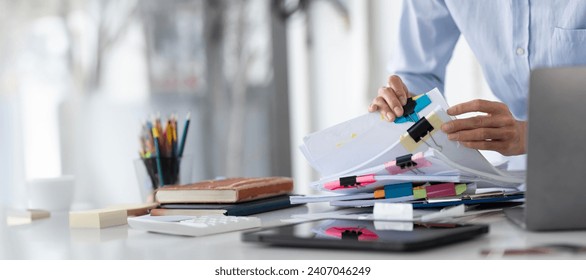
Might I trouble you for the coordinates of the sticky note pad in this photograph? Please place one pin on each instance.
(32, 214)
(135, 209)
(100, 218)
(21, 217)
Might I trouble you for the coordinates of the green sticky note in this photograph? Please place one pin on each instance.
(460, 189)
(419, 193)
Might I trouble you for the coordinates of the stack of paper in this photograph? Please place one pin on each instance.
(410, 159)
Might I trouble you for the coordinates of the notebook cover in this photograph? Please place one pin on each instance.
(236, 209)
(245, 189)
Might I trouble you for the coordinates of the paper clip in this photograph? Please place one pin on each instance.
(350, 182)
(409, 109)
(407, 161)
(417, 132)
(421, 129)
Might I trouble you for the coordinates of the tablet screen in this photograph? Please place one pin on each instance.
(363, 234)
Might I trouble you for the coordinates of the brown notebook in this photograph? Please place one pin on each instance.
(225, 191)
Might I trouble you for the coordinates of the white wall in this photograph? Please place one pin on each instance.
(328, 73)
(332, 79)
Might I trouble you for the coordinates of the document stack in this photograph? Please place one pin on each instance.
(368, 159)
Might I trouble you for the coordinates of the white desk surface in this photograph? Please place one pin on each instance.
(53, 239)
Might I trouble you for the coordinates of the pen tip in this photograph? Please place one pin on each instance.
(188, 115)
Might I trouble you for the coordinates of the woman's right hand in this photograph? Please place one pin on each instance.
(390, 99)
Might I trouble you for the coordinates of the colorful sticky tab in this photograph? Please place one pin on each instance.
(398, 190)
(460, 189)
(379, 193)
(438, 190)
(419, 192)
(441, 190)
(421, 101)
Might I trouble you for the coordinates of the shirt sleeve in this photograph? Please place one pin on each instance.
(425, 43)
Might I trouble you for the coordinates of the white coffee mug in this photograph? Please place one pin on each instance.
(51, 193)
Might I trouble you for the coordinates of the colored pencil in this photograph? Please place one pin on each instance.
(158, 156)
(184, 136)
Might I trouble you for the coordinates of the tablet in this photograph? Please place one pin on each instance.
(366, 235)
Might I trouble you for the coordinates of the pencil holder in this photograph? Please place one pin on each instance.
(174, 171)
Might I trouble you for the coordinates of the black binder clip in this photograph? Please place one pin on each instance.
(351, 234)
(409, 109)
(349, 181)
(407, 162)
(420, 129)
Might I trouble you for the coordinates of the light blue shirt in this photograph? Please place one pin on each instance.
(509, 38)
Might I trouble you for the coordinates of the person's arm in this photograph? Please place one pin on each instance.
(426, 42)
(424, 45)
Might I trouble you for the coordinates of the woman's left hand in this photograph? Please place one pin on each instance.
(498, 130)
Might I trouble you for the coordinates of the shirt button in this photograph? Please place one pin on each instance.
(520, 51)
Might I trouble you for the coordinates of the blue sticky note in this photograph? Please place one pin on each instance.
(398, 190)
(420, 103)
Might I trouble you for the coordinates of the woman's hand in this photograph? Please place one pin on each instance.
(498, 130)
(390, 99)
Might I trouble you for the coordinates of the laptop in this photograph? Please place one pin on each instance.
(555, 197)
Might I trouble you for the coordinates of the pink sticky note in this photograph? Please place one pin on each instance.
(361, 181)
(441, 190)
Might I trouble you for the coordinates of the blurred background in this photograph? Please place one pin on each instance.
(79, 77)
